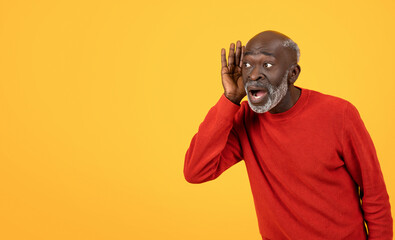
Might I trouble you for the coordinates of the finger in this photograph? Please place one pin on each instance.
(223, 58)
(231, 56)
(242, 56)
(238, 51)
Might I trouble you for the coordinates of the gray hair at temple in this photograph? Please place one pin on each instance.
(291, 44)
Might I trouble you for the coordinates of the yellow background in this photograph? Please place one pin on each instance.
(100, 99)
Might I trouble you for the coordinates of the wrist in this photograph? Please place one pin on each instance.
(234, 99)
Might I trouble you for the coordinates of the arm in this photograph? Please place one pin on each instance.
(216, 146)
(361, 161)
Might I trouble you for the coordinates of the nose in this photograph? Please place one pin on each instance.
(256, 74)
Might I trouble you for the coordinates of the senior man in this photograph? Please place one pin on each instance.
(311, 163)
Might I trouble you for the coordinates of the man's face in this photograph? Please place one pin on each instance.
(265, 74)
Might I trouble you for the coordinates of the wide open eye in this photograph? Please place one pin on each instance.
(267, 65)
(247, 65)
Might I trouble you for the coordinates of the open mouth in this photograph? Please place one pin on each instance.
(256, 95)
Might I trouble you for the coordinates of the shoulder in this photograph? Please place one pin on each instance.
(322, 98)
(328, 110)
(327, 103)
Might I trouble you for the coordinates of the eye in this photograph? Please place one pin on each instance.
(247, 65)
(267, 65)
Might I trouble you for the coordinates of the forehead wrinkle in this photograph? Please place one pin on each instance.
(258, 52)
(265, 47)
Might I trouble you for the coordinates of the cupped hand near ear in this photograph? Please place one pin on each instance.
(232, 80)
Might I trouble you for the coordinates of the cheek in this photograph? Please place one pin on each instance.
(244, 74)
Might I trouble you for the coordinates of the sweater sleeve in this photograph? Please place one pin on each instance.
(215, 147)
(362, 163)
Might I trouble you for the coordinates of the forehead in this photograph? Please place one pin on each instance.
(270, 47)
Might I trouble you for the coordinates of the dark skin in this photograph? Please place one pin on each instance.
(262, 59)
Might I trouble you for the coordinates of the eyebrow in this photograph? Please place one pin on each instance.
(261, 52)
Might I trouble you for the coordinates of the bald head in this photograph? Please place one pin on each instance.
(276, 40)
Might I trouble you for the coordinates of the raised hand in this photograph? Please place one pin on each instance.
(232, 80)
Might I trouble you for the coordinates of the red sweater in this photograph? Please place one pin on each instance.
(304, 167)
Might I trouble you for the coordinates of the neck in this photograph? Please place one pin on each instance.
(288, 101)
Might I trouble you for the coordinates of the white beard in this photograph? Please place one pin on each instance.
(275, 94)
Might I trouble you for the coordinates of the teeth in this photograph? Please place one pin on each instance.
(255, 95)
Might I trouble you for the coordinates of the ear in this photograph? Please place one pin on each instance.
(293, 73)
